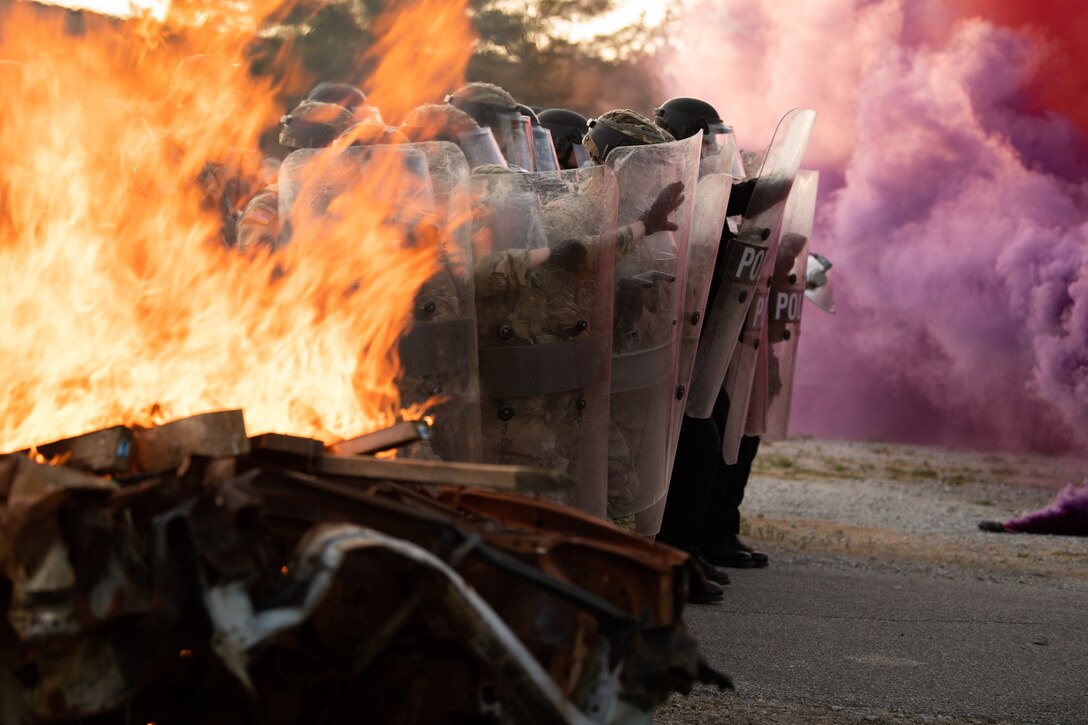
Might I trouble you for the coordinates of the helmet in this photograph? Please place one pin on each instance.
(476, 98)
(370, 133)
(567, 128)
(496, 109)
(313, 124)
(434, 122)
(818, 288)
(621, 127)
(524, 110)
(347, 96)
(685, 117)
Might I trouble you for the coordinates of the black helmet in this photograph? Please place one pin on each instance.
(527, 111)
(346, 96)
(621, 127)
(685, 117)
(568, 128)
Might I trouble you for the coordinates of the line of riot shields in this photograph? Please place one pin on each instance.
(554, 331)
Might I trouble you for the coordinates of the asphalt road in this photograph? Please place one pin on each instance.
(852, 635)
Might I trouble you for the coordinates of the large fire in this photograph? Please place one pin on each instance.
(120, 304)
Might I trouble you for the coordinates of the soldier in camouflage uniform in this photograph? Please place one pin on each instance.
(492, 107)
(536, 295)
(638, 319)
(312, 124)
(434, 122)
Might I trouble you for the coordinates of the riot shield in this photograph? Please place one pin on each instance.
(389, 178)
(412, 182)
(649, 301)
(741, 377)
(772, 387)
(543, 278)
(438, 355)
(711, 200)
(544, 158)
(742, 271)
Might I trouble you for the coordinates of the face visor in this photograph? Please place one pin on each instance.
(544, 156)
(479, 147)
(580, 157)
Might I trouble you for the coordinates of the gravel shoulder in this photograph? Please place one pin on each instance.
(848, 514)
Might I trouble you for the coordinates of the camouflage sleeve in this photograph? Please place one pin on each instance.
(500, 272)
(260, 222)
(628, 236)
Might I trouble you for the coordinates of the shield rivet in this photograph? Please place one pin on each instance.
(506, 332)
(430, 307)
(583, 325)
(793, 279)
(695, 317)
(680, 392)
(506, 412)
(743, 295)
(581, 403)
(786, 335)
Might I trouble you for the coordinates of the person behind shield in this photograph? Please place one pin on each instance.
(567, 128)
(311, 124)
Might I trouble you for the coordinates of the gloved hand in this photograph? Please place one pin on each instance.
(569, 255)
(656, 217)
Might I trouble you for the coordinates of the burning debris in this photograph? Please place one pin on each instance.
(390, 307)
(227, 579)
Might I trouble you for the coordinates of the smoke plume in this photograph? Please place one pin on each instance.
(953, 205)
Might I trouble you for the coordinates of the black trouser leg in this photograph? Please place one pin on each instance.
(722, 521)
(697, 452)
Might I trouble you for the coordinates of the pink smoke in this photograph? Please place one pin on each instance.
(954, 208)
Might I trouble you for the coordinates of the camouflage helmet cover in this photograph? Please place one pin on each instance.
(370, 133)
(621, 127)
(437, 122)
(482, 94)
(313, 124)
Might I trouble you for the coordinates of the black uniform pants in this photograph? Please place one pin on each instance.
(705, 493)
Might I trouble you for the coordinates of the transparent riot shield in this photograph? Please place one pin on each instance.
(544, 158)
(543, 278)
(772, 387)
(438, 354)
(746, 415)
(742, 271)
(711, 200)
(649, 302)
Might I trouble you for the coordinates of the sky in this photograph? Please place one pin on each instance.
(114, 7)
(953, 202)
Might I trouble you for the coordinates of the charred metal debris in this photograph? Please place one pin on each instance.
(187, 573)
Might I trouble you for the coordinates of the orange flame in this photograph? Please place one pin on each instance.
(120, 305)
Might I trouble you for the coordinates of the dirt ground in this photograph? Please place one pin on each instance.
(881, 502)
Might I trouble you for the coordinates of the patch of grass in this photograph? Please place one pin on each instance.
(984, 502)
(780, 462)
(924, 472)
(956, 479)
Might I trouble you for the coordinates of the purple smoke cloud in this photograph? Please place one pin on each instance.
(956, 217)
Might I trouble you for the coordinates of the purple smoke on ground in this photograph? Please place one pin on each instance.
(1067, 515)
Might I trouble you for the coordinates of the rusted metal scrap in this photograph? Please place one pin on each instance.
(275, 582)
